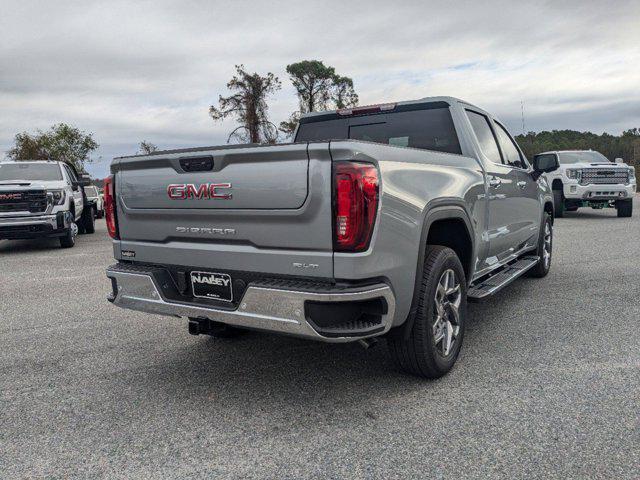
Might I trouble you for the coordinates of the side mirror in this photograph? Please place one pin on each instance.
(619, 160)
(545, 163)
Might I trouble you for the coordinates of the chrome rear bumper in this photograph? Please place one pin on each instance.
(279, 310)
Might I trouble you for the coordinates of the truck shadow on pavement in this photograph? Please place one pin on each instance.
(35, 245)
(608, 213)
(263, 372)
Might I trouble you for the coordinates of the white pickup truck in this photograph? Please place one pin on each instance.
(43, 199)
(586, 178)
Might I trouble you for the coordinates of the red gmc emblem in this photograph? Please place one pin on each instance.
(10, 196)
(182, 191)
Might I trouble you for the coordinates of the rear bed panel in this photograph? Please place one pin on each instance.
(278, 219)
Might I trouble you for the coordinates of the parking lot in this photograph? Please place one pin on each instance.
(548, 383)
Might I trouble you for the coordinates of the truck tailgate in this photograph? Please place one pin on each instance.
(257, 208)
(259, 178)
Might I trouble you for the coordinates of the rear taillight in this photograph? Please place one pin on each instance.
(356, 189)
(110, 207)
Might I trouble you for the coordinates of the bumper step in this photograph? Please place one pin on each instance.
(326, 314)
(504, 277)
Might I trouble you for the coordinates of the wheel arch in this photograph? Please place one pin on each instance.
(437, 221)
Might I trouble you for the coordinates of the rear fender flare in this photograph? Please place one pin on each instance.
(452, 209)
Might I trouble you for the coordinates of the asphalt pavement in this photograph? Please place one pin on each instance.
(547, 385)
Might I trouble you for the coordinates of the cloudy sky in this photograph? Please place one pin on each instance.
(148, 70)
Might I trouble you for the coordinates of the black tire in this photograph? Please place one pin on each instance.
(543, 266)
(222, 330)
(417, 351)
(68, 240)
(88, 221)
(624, 208)
(558, 203)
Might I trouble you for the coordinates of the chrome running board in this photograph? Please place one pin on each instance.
(496, 282)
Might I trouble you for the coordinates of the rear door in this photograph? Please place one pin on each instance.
(503, 216)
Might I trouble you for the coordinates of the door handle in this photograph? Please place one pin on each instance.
(197, 164)
(495, 182)
(522, 184)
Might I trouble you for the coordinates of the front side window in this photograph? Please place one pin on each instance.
(91, 191)
(486, 140)
(509, 149)
(71, 174)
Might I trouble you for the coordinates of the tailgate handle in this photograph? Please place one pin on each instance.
(197, 164)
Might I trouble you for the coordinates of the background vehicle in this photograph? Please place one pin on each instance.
(95, 199)
(588, 179)
(43, 199)
(379, 220)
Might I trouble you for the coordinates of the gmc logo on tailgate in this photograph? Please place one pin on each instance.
(182, 191)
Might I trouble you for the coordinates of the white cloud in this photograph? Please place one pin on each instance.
(149, 70)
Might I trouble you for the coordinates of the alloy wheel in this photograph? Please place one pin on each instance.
(546, 249)
(446, 325)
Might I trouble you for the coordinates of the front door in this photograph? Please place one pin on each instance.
(76, 191)
(525, 201)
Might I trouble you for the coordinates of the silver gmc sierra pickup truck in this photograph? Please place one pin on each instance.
(377, 221)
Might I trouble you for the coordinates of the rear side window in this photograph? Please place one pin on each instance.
(509, 149)
(486, 140)
(426, 128)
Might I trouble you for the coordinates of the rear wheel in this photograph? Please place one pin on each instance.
(545, 249)
(624, 208)
(432, 345)
(558, 203)
(68, 240)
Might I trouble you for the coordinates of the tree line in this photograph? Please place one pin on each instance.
(318, 87)
(625, 146)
